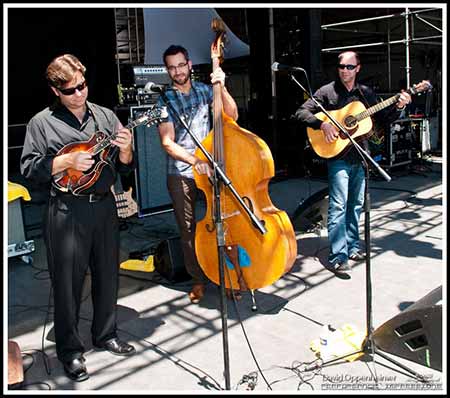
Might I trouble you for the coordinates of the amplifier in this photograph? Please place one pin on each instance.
(420, 129)
(17, 243)
(128, 95)
(152, 195)
(145, 98)
(400, 143)
(144, 74)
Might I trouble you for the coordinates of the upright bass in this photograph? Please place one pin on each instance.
(253, 260)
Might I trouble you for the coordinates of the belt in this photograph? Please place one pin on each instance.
(93, 197)
(90, 197)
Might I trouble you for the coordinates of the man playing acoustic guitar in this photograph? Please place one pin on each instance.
(81, 229)
(345, 171)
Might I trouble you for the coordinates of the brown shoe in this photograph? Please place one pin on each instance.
(237, 294)
(197, 293)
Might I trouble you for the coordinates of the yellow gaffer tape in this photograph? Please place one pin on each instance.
(139, 265)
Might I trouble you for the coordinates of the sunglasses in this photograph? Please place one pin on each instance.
(348, 66)
(71, 90)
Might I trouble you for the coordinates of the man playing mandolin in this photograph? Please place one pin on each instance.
(345, 172)
(81, 228)
(192, 100)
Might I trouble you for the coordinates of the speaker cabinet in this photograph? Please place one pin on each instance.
(311, 214)
(169, 261)
(416, 332)
(152, 195)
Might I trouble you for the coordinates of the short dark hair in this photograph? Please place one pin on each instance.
(175, 49)
(349, 51)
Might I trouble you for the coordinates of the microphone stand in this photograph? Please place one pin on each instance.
(220, 179)
(368, 346)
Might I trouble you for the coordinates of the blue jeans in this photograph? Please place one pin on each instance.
(346, 198)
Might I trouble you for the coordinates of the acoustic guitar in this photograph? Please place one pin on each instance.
(99, 146)
(355, 118)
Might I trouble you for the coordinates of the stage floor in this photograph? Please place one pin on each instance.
(180, 345)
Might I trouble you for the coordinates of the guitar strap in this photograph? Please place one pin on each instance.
(377, 131)
(363, 97)
(110, 159)
(375, 126)
(91, 112)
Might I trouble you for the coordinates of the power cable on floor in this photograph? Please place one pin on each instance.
(300, 371)
(243, 328)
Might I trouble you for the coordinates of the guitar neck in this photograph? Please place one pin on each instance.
(424, 85)
(107, 141)
(133, 124)
(378, 107)
(217, 122)
(147, 118)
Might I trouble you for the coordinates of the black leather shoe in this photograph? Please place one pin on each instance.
(76, 369)
(117, 347)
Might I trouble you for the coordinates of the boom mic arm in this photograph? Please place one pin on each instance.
(277, 67)
(154, 88)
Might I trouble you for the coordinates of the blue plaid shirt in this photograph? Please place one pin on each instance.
(195, 109)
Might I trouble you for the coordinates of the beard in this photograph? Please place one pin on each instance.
(182, 78)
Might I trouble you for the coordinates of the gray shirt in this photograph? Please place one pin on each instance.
(53, 128)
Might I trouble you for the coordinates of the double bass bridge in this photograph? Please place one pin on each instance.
(232, 214)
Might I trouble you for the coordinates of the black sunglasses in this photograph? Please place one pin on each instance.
(71, 90)
(348, 66)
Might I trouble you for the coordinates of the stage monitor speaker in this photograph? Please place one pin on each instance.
(151, 174)
(416, 332)
(311, 214)
(168, 260)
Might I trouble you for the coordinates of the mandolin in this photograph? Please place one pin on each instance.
(99, 145)
(355, 118)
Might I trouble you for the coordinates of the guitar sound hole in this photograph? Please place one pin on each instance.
(351, 122)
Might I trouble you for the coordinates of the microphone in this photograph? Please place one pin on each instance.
(276, 67)
(154, 88)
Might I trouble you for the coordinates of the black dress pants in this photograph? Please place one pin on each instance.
(79, 234)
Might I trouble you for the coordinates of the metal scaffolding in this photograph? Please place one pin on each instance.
(409, 36)
(129, 37)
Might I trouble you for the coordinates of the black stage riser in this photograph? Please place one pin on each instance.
(169, 261)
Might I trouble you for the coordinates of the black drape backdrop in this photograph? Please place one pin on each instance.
(37, 35)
